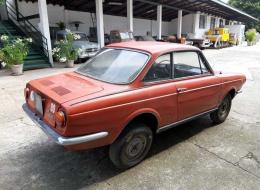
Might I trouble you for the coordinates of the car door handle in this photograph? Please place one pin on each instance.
(181, 89)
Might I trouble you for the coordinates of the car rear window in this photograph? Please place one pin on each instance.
(117, 66)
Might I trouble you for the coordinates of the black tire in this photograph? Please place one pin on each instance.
(132, 146)
(221, 114)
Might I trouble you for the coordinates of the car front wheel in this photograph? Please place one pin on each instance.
(132, 146)
(221, 114)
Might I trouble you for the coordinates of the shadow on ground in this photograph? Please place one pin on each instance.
(44, 166)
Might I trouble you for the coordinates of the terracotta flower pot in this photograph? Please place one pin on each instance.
(17, 69)
(70, 63)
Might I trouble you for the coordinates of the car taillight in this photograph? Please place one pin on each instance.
(60, 118)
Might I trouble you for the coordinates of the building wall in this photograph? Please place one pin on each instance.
(57, 14)
(187, 25)
(141, 26)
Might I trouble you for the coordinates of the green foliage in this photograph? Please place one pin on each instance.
(2, 2)
(251, 35)
(251, 7)
(61, 25)
(64, 50)
(14, 51)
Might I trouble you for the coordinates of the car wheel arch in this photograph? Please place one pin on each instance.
(142, 116)
(232, 92)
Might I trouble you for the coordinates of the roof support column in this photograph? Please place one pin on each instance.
(66, 15)
(100, 23)
(196, 19)
(179, 27)
(159, 21)
(217, 22)
(44, 26)
(130, 16)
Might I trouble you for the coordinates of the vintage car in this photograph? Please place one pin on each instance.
(144, 38)
(128, 93)
(199, 41)
(88, 49)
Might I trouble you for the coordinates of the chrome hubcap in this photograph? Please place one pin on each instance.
(224, 108)
(136, 147)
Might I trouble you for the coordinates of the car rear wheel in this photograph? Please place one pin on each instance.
(221, 114)
(132, 146)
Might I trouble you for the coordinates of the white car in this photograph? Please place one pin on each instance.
(89, 49)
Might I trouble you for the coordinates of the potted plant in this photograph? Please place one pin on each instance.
(251, 36)
(61, 25)
(2, 2)
(14, 52)
(64, 51)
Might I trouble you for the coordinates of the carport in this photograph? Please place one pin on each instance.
(158, 10)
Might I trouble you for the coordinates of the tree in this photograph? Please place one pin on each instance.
(251, 7)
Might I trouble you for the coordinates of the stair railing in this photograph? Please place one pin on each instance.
(28, 29)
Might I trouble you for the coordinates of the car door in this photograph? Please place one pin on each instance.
(161, 90)
(198, 88)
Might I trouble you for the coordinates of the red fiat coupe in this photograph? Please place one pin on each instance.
(127, 94)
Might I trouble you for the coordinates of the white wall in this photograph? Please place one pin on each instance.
(57, 13)
(141, 26)
(187, 24)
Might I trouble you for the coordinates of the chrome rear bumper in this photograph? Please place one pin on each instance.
(57, 137)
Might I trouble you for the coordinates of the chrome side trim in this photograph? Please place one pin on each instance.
(201, 88)
(58, 138)
(125, 104)
(165, 128)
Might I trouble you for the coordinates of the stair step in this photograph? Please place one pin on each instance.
(36, 66)
(35, 57)
(37, 61)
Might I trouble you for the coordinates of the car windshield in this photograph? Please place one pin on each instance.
(117, 66)
(83, 37)
(60, 37)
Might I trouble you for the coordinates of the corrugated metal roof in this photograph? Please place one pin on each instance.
(147, 9)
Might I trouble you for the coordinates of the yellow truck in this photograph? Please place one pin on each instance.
(219, 37)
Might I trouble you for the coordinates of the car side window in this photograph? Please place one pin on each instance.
(160, 70)
(187, 64)
(204, 69)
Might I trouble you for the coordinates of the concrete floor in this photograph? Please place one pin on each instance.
(195, 156)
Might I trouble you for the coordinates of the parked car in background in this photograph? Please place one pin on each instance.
(88, 49)
(200, 42)
(126, 94)
(144, 38)
(117, 36)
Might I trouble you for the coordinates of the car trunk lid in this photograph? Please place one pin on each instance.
(65, 87)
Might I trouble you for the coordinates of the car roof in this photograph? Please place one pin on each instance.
(153, 47)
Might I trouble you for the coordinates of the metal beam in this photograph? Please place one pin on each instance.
(164, 5)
